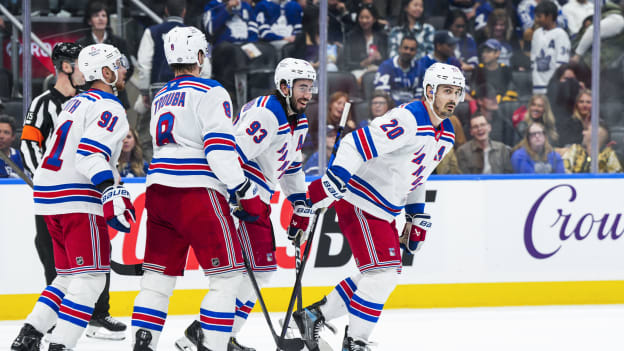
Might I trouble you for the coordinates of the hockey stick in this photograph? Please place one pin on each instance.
(282, 343)
(319, 213)
(16, 169)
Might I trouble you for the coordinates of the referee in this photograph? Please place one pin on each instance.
(39, 127)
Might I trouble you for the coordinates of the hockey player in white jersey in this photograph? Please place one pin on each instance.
(270, 131)
(76, 189)
(550, 46)
(407, 143)
(193, 169)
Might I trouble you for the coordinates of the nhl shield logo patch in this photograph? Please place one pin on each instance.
(215, 262)
(79, 261)
(391, 251)
(270, 257)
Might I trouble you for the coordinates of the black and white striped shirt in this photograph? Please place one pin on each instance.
(39, 124)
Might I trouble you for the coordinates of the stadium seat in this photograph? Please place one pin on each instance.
(368, 85)
(342, 81)
(437, 22)
(360, 112)
(462, 111)
(507, 108)
(612, 112)
(288, 50)
(523, 84)
(617, 135)
(6, 83)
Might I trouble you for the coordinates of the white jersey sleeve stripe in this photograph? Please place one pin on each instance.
(218, 141)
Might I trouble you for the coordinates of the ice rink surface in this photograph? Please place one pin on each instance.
(505, 328)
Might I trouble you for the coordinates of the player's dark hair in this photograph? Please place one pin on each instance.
(93, 7)
(546, 7)
(175, 7)
(280, 98)
(10, 121)
(182, 67)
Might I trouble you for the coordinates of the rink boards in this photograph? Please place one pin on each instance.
(495, 241)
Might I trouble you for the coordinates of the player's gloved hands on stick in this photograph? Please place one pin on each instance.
(246, 202)
(414, 231)
(327, 189)
(299, 222)
(118, 208)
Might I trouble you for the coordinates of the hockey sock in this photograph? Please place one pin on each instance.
(246, 298)
(151, 305)
(77, 307)
(218, 308)
(339, 298)
(366, 305)
(45, 312)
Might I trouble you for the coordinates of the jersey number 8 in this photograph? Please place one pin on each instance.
(164, 129)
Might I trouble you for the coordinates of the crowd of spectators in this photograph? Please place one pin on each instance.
(527, 65)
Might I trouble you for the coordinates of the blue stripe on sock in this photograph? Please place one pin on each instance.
(73, 320)
(147, 325)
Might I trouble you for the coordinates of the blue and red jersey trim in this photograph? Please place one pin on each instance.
(364, 143)
(181, 167)
(361, 188)
(218, 141)
(88, 147)
(55, 194)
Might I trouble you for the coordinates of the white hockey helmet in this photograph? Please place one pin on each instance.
(94, 57)
(442, 73)
(182, 44)
(291, 69)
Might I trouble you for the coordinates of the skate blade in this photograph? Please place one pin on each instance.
(184, 344)
(104, 334)
(322, 344)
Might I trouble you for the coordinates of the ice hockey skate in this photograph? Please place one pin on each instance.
(355, 344)
(192, 339)
(310, 321)
(58, 347)
(142, 340)
(29, 339)
(107, 328)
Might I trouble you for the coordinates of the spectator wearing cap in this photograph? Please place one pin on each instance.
(492, 72)
(412, 22)
(501, 127)
(444, 51)
(398, 75)
(7, 136)
(482, 155)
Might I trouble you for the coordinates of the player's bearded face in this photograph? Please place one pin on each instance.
(446, 99)
(301, 95)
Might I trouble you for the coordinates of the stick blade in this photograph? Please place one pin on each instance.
(295, 344)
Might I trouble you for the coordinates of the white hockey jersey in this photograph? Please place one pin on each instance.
(549, 49)
(192, 136)
(270, 149)
(84, 152)
(390, 160)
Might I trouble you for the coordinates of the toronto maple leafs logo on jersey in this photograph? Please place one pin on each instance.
(543, 61)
